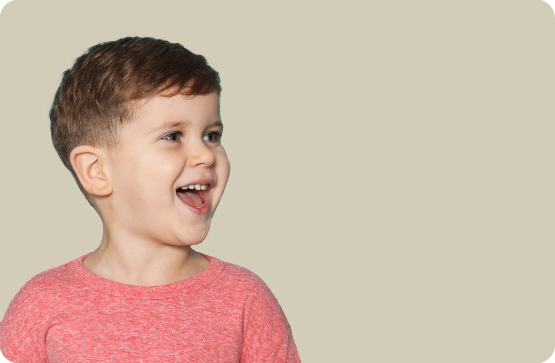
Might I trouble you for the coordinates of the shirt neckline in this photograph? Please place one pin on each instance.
(113, 288)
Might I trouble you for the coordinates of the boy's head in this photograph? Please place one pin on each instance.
(134, 120)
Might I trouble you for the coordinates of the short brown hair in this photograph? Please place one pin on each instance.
(97, 94)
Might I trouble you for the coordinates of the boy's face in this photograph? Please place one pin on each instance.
(152, 163)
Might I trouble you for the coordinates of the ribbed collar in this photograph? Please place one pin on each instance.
(105, 286)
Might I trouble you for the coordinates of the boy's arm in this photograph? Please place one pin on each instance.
(13, 355)
(21, 335)
(286, 351)
(267, 336)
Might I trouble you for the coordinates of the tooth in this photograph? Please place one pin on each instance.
(195, 186)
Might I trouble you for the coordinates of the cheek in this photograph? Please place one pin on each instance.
(162, 174)
(124, 178)
(167, 169)
(223, 164)
(148, 175)
(225, 169)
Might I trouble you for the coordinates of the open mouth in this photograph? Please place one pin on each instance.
(194, 198)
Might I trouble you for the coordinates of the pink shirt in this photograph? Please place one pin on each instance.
(68, 314)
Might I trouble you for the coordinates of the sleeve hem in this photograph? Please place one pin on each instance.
(14, 355)
(277, 345)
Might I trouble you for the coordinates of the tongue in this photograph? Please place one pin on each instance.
(190, 198)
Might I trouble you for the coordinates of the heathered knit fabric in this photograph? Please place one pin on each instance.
(68, 314)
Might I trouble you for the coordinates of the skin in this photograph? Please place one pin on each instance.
(148, 232)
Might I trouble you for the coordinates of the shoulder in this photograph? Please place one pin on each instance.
(41, 290)
(265, 326)
(51, 280)
(22, 330)
(45, 280)
(255, 294)
(244, 279)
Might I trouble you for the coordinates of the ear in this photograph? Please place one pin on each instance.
(87, 163)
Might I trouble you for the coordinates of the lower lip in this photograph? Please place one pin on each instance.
(204, 208)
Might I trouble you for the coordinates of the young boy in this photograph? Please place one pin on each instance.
(137, 123)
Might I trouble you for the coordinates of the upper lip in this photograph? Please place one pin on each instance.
(204, 181)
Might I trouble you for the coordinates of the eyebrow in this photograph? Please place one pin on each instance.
(170, 124)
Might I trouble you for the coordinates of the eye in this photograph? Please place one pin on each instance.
(217, 136)
(176, 133)
(170, 137)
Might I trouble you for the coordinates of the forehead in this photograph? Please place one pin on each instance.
(197, 109)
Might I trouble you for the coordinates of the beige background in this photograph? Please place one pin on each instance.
(392, 180)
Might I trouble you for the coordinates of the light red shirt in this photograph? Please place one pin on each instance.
(70, 315)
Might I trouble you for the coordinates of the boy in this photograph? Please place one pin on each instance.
(137, 123)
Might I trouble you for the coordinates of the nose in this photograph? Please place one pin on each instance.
(200, 153)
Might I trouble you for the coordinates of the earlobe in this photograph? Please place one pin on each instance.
(87, 163)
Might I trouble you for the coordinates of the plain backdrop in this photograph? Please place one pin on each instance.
(392, 164)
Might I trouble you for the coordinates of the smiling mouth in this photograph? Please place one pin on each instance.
(194, 198)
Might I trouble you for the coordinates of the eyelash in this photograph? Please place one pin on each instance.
(217, 133)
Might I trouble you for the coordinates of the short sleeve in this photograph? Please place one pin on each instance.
(286, 351)
(21, 331)
(267, 336)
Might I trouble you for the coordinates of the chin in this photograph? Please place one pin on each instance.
(191, 239)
